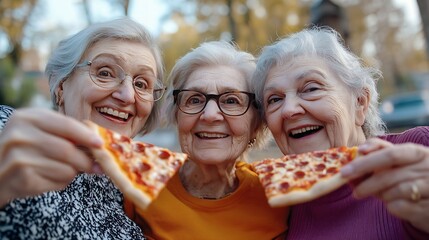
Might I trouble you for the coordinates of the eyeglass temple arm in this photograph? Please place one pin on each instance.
(85, 63)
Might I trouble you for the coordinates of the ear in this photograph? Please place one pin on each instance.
(256, 124)
(59, 97)
(362, 104)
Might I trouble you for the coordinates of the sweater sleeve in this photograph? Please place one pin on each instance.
(418, 135)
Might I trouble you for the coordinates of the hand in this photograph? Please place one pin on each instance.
(399, 176)
(38, 152)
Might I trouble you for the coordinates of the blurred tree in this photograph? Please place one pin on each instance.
(6, 73)
(121, 4)
(378, 31)
(14, 17)
(424, 13)
(249, 23)
(15, 93)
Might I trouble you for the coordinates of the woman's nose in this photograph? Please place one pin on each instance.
(292, 107)
(211, 112)
(125, 91)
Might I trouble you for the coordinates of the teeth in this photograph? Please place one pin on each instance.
(112, 112)
(212, 135)
(302, 130)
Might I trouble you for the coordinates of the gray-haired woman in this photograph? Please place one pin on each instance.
(315, 95)
(110, 73)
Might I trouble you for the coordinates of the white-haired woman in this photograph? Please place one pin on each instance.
(110, 73)
(315, 94)
(216, 194)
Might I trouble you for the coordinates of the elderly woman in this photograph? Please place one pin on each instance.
(215, 195)
(109, 73)
(315, 95)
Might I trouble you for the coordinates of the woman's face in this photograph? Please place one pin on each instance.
(211, 137)
(307, 107)
(119, 109)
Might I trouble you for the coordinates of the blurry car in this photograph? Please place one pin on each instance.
(406, 110)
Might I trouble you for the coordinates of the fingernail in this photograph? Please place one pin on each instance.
(363, 147)
(346, 170)
(97, 141)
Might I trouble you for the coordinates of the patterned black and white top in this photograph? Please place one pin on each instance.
(5, 113)
(91, 207)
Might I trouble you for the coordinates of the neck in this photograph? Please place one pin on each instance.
(208, 181)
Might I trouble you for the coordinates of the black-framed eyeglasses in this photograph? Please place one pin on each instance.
(106, 73)
(234, 103)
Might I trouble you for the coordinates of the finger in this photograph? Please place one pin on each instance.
(381, 181)
(32, 177)
(413, 212)
(39, 144)
(390, 157)
(373, 144)
(404, 190)
(58, 124)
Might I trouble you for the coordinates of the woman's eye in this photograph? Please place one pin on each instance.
(105, 73)
(231, 101)
(311, 87)
(141, 83)
(273, 100)
(194, 100)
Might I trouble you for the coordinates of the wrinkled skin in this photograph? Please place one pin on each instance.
(40, 150)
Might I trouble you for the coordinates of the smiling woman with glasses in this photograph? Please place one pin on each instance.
(109, 73)
(217, 122)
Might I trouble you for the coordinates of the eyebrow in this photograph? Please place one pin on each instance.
(299, 76)
(307, 73)
(220, 91)
(147, 68)
(120, 60)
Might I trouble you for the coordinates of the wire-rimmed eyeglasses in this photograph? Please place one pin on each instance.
(234, 103)
(106, 73)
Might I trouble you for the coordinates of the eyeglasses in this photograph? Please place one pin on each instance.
(234, 103)
(105, 73)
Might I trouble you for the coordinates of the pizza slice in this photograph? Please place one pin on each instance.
(299, 178)
(140, 170)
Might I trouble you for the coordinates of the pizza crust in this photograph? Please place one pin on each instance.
(320, 188)
(113, 170)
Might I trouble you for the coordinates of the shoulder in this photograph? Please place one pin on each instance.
(5, 113)
(419, 135)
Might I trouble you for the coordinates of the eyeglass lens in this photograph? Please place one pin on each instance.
(105, 73)
(230, 103)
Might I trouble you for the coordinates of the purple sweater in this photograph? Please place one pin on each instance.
(340, 216)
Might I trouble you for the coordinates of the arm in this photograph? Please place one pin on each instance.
(38, 152)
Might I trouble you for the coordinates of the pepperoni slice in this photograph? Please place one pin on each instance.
(320, 167)
(299, 174)
(139, 147)
(164, 154)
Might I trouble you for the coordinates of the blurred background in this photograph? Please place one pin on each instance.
(391, 35)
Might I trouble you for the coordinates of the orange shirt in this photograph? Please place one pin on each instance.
(245, 214)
